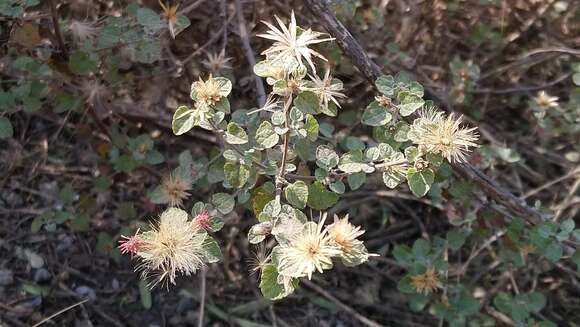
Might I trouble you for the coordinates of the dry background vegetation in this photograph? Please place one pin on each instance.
(59, 162)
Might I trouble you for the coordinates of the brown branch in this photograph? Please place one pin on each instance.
(372, 71)
(249, 52)
(57, 32)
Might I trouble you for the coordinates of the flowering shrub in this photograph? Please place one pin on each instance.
(100, 82)
(281, 141)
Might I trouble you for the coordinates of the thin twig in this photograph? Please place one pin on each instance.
(362, 319)
(286, 137)
(59, 312)
(187, 9)
(551, 183)
(202, 297)
(567, 200)
(249, 53)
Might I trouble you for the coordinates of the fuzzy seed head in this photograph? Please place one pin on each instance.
(172, 246)
(291, 47)
(208, 92)
(83, 31)
(260, 257)
(175, 188)
(440, 134)
(217, 61)
(308, 251)
(427, 282)
(345, 234)
(130, 244)
(545, 101)
(203, 220)
(327, 88)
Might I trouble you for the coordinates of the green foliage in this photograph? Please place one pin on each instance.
(521, 306)
(6, 129)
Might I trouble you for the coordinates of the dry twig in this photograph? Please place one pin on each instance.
(362, 319)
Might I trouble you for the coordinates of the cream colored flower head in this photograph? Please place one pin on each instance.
(174, 245)
(175, 189)
(327, 89)
(210, 91)
(545, 101)
(83, 31)
(306, 252)
(345, 236)
(217, 61)
(291, 46)
(427, 282)
(442, 134)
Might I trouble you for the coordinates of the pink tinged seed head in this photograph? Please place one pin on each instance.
(203, 220)
(130, 244)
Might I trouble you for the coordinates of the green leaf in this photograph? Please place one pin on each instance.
(36, 289)
(224, 85)
(392, 179)
(223, 202)
(351, 162)
(6, 100)
(235, 134)
(305, 149)
(148, 18)
(575, 259)
(356, 180)
(405, 285)
(65, 102)
(212, 250)
(6, 129)
(553, 251)
(420, 181)
(403, 254)
(154, 157)
(409, 103)
(266, 137)
(386, 85)
(311, 126)
(81, 64)
(456, 239)
(145, 295)
(567, 226)
(326, 157)
(269, 283)
(307, 102)
(337, 187)
(319, 197)
(183, 120)
(354, 143)
(503, 302)
(104, 243)
(271, 210)
(421, 249)
(576, 79)
(147, 51)
(535, 301)
(376, 115)
(258, 232)
(236, 174)
(297, 194)
(260, 197)
(181, 24)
